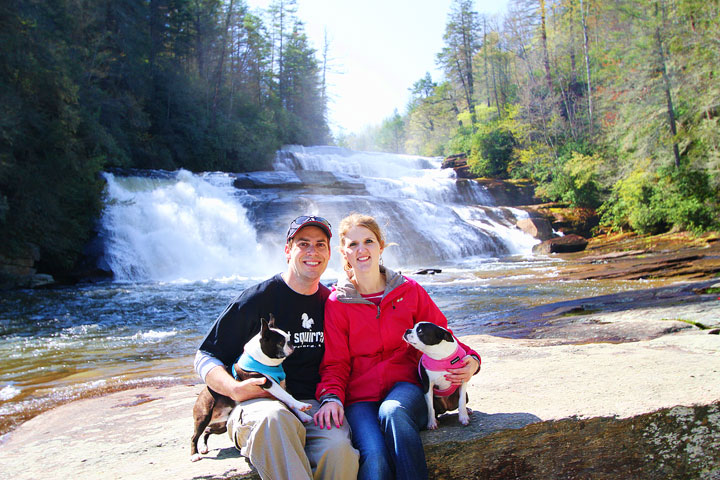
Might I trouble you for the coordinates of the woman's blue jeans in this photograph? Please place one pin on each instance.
(387, 434)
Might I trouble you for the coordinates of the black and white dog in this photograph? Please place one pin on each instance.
(441, 351)
(262, 357)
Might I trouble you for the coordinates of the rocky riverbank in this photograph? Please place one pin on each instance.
(538, 403)
(619, 386)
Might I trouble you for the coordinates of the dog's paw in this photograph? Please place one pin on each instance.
(304, 417)
(195, 458)
(464, 418)
(303, 407)
(432, 424)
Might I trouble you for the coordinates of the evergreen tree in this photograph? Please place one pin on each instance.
(461, 40)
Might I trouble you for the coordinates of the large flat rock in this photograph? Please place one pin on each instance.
(144, 433)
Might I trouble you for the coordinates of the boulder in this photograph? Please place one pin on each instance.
(428, 271)
(567, 244)
(537, 227)
(458, 163)
(510, 193)
(679, 442)
(578, 221)
(18, 271)
(457, 160)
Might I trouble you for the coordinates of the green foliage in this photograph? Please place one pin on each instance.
(607, 103)
(391, 137)
(461, 142)
(573, 177)
(654, 202)
(48, 177)
(491, 151)
(161, 84)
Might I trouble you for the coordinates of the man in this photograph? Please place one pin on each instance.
(265, 431)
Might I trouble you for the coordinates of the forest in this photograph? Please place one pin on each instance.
(610, 105)
(88, 85)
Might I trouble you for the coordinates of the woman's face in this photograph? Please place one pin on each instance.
(361, 249)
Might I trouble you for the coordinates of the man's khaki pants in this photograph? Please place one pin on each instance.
(281, 447)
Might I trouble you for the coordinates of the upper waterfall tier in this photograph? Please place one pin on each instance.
(180, 225)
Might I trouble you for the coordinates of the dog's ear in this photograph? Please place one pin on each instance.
(264, 326)
(271, 323)
(447, 336)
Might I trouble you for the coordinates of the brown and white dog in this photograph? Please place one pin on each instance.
(262, 357)
(441, 351)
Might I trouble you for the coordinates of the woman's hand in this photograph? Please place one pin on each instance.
(465, 372)
(329, 413)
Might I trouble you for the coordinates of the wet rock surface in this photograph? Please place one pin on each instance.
(679, 256)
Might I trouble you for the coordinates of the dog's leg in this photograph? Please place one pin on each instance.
(428, 386)
(202, 413)
(462, 405)
(432, 421)
(295, 405)
(203, 442)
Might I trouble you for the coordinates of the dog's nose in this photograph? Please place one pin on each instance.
(408, 331)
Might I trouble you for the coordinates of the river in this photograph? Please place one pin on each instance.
(181, 246)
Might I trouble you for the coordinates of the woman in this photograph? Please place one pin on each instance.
(369, 374)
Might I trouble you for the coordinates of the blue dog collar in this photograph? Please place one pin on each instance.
(249, 364)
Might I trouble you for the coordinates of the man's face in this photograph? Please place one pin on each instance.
(308, 254)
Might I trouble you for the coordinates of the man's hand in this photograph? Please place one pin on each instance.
(249, 389)
(222, 382)
(329, 413)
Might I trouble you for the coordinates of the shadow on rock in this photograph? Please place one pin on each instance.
(481, 424)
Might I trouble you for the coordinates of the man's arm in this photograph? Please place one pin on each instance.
(216, 376)
(222, 382)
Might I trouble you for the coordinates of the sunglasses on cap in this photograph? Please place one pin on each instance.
(308, 220)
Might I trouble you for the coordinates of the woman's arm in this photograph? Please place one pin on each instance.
(335, 365)
(428, 311)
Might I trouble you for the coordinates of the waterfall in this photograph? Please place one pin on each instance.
(178, 227)
(169, 226)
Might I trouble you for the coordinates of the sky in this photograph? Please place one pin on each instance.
(378, 49)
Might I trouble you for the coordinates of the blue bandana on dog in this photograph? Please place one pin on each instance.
(249, 364)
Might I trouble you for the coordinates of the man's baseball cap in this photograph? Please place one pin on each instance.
(305, 221)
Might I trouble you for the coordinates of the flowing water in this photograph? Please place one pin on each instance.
(182, 245)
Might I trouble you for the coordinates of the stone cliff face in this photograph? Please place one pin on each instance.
(19, 270)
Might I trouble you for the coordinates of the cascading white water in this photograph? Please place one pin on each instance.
(181, 226)
(185, 227)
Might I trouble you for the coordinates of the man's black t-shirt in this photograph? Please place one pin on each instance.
(302, 316)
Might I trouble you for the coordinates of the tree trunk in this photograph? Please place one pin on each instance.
(666, 83)
(546, 56)
(221, 61)
(485, 59)
(583, 16)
